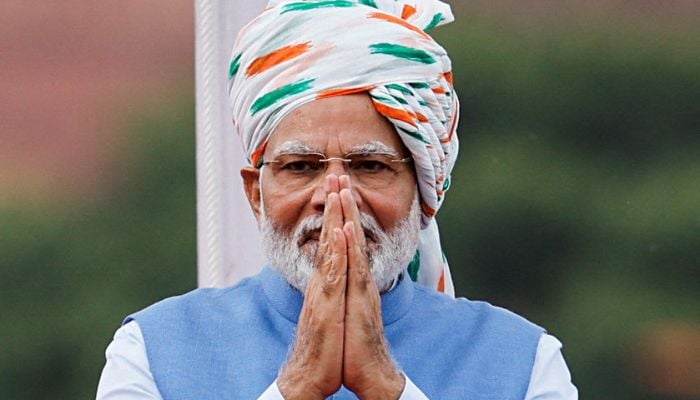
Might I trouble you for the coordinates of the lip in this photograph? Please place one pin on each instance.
(314, 235)
(369, 236)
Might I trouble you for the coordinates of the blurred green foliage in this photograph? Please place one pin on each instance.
(576, 202)
(576, 199)
(68, 277)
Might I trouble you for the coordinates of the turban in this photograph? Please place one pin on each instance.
(299, 51)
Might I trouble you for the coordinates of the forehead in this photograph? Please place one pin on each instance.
(336, 124)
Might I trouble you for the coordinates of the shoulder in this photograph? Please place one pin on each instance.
(487, 348)
(202, 301)
(472, 314)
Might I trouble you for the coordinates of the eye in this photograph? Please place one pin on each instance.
(369, 165)
(300, 166)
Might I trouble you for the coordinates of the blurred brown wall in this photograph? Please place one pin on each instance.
(65, 66)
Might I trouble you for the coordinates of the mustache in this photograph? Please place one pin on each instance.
(313, 224)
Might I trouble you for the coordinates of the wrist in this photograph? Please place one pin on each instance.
(385, 386)
(294, 385)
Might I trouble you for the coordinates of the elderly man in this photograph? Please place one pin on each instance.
(348, 114)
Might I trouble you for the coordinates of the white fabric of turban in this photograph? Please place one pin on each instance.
(299, 51)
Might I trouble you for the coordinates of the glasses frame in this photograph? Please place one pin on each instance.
(325, 159)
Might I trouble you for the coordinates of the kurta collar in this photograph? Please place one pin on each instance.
(288, 301)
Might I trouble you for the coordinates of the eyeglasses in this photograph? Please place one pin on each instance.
(370, 170)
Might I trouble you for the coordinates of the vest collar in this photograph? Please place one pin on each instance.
(288, 301)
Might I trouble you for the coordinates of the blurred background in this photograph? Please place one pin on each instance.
(575, 201)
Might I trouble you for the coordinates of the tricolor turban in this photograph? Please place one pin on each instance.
(299, 51)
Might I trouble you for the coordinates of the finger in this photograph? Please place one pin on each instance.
(317, 355)
(332, 219)
(358, 259)
(350, 210)
(352, 213)
(344, 181)
(324, 232)
(332, 183)
(333, 212)
(338, 275)
(332, 277)
(358, 262)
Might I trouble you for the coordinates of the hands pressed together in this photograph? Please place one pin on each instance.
(340, 335)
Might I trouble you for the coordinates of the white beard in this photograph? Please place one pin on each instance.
(391, 255)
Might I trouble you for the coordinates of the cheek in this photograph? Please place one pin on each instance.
(389, 208)
(283, 209)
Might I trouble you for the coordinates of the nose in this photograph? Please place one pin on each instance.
(330, 182)
(335, 165)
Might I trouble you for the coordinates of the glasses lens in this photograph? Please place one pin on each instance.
(373, 170)
(299, 164)
(297, 171)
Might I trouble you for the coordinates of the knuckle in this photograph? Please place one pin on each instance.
(330, 284)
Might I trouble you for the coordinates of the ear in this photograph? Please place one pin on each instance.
(251, 185)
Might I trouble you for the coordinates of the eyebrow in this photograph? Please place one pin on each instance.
(295, 147)
(374, 147)
(299, 147)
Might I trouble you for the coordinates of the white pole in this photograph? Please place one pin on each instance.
(227, 236)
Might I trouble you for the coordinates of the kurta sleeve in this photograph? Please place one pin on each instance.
(126, 374)
(550, 378)
(272, 393)
(411, 391)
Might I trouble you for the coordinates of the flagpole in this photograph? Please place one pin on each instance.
(227, 236)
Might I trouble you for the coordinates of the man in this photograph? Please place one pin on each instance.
(347, 112)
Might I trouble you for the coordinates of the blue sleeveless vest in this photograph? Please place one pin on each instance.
(230, 343)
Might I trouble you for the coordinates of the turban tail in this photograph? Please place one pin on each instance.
(299, 51)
